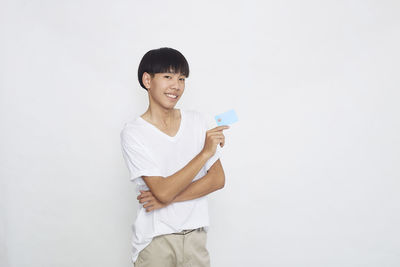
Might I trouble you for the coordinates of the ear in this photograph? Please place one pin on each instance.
(146, 79)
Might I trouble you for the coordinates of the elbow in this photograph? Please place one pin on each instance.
(222, 182)
(158, 188)
(222, 185)
(164, 198)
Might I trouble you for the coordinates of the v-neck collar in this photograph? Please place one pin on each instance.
(171, 138)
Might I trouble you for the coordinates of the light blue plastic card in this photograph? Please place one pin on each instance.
(226, 118)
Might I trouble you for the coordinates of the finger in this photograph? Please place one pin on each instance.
(217, 139)
(146, 194)
(145, 199)
(155, 207)
(141, 196)
(222, 143)
(150, 209)
(149, 204)
(216, 131)
(216, 134)
(219, 128)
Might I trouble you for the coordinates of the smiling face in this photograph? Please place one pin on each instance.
(165, 89)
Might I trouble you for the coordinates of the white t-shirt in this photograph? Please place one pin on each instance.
(149, 151)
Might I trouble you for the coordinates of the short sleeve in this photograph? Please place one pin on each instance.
(137, 159)
(205, 127)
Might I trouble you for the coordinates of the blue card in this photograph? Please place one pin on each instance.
(226, 118)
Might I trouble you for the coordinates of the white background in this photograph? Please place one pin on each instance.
(312, 166)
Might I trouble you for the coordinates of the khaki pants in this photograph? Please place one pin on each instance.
(184, 249)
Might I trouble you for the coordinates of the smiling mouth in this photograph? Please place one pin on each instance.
(171, 96)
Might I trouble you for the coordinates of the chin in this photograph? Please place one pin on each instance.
(169, 106)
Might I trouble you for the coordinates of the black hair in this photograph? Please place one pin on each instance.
(160, 60)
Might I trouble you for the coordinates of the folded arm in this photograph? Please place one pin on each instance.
(165, 189)
(212, 181)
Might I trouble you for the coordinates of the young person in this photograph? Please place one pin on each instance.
(173, 157)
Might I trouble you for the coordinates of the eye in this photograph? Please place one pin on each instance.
(167, 76)
(182, 79)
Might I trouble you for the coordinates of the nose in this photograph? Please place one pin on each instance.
(176, 84)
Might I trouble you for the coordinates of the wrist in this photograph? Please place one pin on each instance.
(204, 155)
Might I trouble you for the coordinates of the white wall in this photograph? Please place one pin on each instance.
(312, 166)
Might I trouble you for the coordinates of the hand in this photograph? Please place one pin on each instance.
(152, 202)
(213, 138)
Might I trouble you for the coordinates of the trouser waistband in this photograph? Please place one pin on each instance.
(184, 232)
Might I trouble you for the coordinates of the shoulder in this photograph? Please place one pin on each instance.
(197, 119)
(131, 129)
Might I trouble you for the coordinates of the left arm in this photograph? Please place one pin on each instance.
(212, 181)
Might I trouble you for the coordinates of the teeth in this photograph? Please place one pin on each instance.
(173, 96)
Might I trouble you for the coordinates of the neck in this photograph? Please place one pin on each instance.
(161, 116)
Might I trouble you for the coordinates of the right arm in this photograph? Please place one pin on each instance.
(212, 181)
(166, 189)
